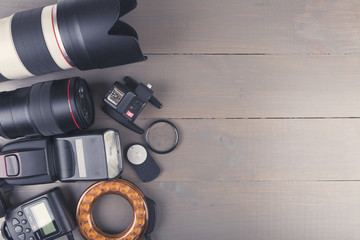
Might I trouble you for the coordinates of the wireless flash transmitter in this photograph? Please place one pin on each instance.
(124, 102)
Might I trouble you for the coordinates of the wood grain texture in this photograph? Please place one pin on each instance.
(249, 179)
(266, 96)
(235, 86)
(257, 150)
(245, 210)
(240, 27)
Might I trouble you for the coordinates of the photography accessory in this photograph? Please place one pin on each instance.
(86, 34)
(162, 136)
(90, 156)
(43, 217)
(144, 210)
(46, 109)
(124, 102)
(142, 162)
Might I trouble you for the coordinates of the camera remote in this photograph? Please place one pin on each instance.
(142, 162)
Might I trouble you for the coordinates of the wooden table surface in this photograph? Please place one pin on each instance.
(266, 94)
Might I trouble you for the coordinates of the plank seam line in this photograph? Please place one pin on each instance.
(251, 118)
(251, 181)
(253, 54)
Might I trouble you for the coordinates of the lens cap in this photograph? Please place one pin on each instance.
(162, 136)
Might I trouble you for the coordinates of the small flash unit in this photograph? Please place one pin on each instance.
(44, 217)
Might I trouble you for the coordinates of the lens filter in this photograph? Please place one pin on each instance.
(162, 136)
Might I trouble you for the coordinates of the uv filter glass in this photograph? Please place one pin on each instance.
(162, 136)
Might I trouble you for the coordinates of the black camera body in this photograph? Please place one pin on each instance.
(45, 160)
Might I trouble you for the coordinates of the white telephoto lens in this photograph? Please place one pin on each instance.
(53, 38)
(11, 66)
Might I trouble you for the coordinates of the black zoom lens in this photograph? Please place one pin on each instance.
(46, 109)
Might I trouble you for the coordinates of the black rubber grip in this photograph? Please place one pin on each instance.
(15, 118)
(35, 110)
(46, 110)
(41, 111)
(30, 43)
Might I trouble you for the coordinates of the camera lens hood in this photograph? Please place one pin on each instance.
(93, 35)
(86, 34)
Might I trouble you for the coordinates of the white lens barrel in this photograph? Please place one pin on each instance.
(21, 55)
(86, 34)
(53, 38)
(11, 66)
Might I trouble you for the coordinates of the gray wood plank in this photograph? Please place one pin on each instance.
(256, 150)
(235, 86)
(233, 177)
(232, 26)
(245, 210)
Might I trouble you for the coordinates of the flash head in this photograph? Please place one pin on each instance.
(90, 156)
(86, 34)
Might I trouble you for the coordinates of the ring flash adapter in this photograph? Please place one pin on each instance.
(144, 211)
(86, 34)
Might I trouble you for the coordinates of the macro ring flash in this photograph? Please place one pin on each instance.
(144, 210)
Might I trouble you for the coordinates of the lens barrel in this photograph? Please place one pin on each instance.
(86, 34)
(46, 109)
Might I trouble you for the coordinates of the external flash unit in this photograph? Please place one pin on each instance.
(91, 156)
(44, 217)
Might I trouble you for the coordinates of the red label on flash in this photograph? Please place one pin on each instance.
(130, 114)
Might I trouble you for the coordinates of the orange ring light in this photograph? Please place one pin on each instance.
(125, 189)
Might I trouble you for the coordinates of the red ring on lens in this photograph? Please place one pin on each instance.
(52, 21)
(68, 97)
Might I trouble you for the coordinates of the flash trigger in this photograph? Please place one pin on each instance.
(124, 102)
(115, 96)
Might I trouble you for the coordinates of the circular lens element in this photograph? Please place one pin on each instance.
(162, 136)
(84, 103)
(125, 189)
(72, 104)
